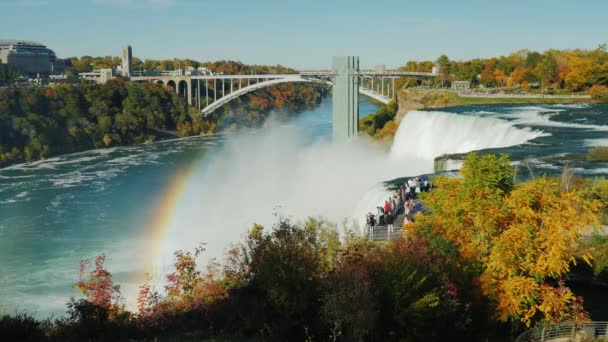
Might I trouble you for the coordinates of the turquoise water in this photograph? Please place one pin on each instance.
(55, 212)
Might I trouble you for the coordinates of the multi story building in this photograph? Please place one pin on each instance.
(29, 58)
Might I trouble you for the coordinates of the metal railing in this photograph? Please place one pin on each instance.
(382, 233)
(568, 331)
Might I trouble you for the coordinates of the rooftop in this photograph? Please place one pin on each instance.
(18, 42)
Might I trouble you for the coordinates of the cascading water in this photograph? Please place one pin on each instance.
(427, 135)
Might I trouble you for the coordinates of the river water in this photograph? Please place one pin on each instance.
(139, 204)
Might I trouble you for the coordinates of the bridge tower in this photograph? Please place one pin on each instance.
(345, 98)
(127, 61)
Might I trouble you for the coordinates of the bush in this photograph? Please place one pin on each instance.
(22, 327)
(598, 91)
(597, 190)
(384, 116)
(598, 154)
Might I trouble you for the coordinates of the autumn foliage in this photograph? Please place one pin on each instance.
(489, 253)
(553, 70)
(97, 285)
(521, 238)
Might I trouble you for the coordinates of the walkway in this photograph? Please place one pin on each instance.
(380, 232)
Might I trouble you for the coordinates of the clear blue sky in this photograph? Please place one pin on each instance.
(305, 33)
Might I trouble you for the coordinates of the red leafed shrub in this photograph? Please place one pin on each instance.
(97, 285)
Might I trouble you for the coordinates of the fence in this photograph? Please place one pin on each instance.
(382, 233)
(569, 331)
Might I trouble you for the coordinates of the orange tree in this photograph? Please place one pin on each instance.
(520, 239)
(98, 287)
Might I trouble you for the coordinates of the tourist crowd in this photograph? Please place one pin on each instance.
(404, 202)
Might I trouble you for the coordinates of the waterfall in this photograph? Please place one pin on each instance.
(428, 134)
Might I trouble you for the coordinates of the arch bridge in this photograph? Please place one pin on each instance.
(210, 92)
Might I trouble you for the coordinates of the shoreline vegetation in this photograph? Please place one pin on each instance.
(38, 123)
(450, 276)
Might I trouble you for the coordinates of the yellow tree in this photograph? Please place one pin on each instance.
(537, 244)
(487, 76)
(516, 77)
(581, 72)
(499, 76)
(469, 211)
(521, 238)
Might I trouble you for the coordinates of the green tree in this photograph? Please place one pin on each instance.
(444, 68)
(546, 70)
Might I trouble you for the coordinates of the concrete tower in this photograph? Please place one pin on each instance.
(127, 60)
(345, 98)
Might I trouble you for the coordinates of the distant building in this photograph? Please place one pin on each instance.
(380, 68)
(29, 58)
(104, 75)
(99, 76)
(462, 86)
(127, 61)
(192, 71)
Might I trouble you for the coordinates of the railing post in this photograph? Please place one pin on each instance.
(573, 334)
(542, 335)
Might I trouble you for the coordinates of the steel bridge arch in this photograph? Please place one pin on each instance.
(240, 92)
(288, 79)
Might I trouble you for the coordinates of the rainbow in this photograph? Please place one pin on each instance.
(159, 226)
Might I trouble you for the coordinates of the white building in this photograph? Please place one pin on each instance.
(99, 76)
(461, 86)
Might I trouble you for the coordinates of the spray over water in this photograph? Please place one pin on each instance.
(279, 170)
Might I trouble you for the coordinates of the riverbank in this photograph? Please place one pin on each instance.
(414, 99)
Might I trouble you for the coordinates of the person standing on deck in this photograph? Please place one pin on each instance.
(394, 205)
(389, 222)
(387, 207)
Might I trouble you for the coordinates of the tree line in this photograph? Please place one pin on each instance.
(572, 70)
(489, 260)
(88, 63)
